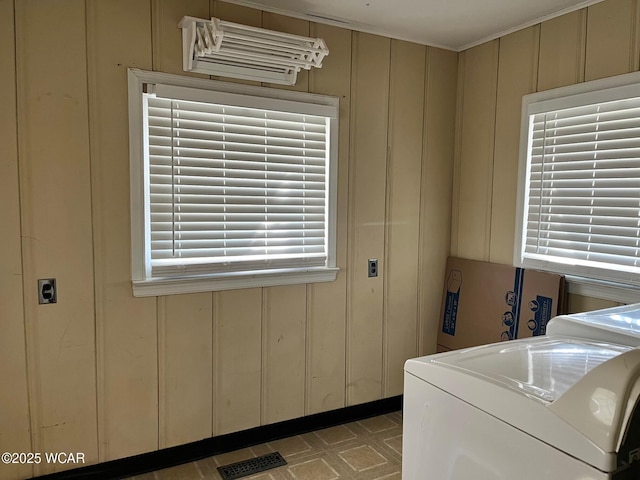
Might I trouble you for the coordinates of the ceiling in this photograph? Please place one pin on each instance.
(452, 24)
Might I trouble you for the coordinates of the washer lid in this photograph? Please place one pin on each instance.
(614, 325)
(575, 395)
(541, 370)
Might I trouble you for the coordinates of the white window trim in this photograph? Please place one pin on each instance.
(615, 292)
(142, 284)
(576, 283)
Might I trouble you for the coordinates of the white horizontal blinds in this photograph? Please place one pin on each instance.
(584, 186)
(235, 188)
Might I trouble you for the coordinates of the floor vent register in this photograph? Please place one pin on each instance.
(251, 466)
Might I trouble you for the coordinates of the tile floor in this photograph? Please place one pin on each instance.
(369, 449)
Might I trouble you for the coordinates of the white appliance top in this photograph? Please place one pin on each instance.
(542, 370)
(611, 325)
(576, 395)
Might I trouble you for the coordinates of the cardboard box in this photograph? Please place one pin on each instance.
(488, 302)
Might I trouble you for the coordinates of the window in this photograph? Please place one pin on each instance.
(232, 186)
(579, 185)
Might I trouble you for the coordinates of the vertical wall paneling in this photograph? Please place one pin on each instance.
(283, 353)
(474, 185)
(232, 12)
(610, 39)
(14, 414)
(562, 50)
(126, 329)
(457, 155)
(406, 108)
(517, 75)
(634, 60)
(436, 189)
(238, 360)
(369, 116)
(326, 302)
(56, 226)
(185, 368)
(184, 321)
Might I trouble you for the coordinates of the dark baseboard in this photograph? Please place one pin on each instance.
(169, 457)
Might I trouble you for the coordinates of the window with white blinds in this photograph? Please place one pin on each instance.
(237, 187)
(581, 193)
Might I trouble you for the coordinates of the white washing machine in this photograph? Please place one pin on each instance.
(559, 406)
(612, 325)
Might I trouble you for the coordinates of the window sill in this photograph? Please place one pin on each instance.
(230, 281)
(616, 292)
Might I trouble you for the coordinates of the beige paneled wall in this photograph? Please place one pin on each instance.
(237, 364)
(596, 42)
(185, 368)
(404, 138)
(471, 223)
(110, 375)
(562, 49)
(436, 190)
(126, 327)
(14, 411)
(367, 187)
(612, 41)
(56, 225)
(283, 352)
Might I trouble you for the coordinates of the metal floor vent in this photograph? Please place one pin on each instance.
(251, 466)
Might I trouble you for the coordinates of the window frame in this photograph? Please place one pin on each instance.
(581, 280)
(143, 283)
